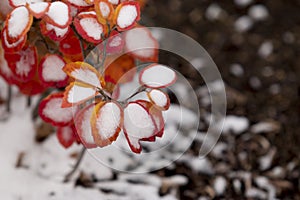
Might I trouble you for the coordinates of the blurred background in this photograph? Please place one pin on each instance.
(255, 45)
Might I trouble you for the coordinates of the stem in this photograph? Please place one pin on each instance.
(71, 173)
(8, 101)
(29, 101)
(140, 89)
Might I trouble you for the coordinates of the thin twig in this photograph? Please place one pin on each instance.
(71, 173)
(139, 90)
(8, 100)
(29, 101)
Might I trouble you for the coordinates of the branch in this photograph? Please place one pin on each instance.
(71, 173)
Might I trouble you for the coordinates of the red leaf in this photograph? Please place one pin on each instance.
(50, 71)
(126, 15)
(51, 111)
(83, 126)
(106, 122)
(23, 64)
(65, 136)
(59, 15)
(157, 76)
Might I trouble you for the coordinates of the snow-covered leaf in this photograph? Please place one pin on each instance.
(115, 43)
(157, 116)
(23, 63)
(159, 98)
(53, 32)
(83, 126)
(104, 10)
(12, 47)
(51, 111)
(89, 28)
(83, 72)
(65, 136)
(50, 71)
(106, 122)
(79, 3)
(126, 15)
(157, 76)
(38, 10)
(18, 23)
(59, 15)
(5, 71)
(138, 125)
(77, 93)
(17, 3)
(141, 44)
(114, 2)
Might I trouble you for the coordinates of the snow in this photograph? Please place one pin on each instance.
(17, 3)
(140, 42)
(105, 9)
(39, 8)
(55, 112)
(235, 124)
(157, 76)
(108, 120)
(59, 13)
(12, 45)
(59, 32)
(254, 82)
(137, 121)
(18, 21)
(80, 3)
(83, 125)
(114, 2)
(213, 12)
(263, 127)
(159, 98)
(198, 165)
(86, 75)
(242, 3)
(26, 63)
(127, 16)
(237, 70)
(265, 49)
(52, 68)
(92, 28)
(258, 12)
(78, 93)
(220, 185)
(243, 23)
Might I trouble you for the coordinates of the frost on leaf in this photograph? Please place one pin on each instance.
(84, 73)
(104, 11)
(157, 76)
(115, 43)
(159, 98)
(50, 71)
(65, 136)
(89, 28)
(141, 44)
(12, 47)
(114, 2)
(51, 111)
(106, 123)
(79, 3)
(59, 15)
(157, 116)
(138, 125)
(18, 23)
(23, 63)
(126, 15)
(16, 3)
(39, 9)
(83, 126)
(77, 93)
